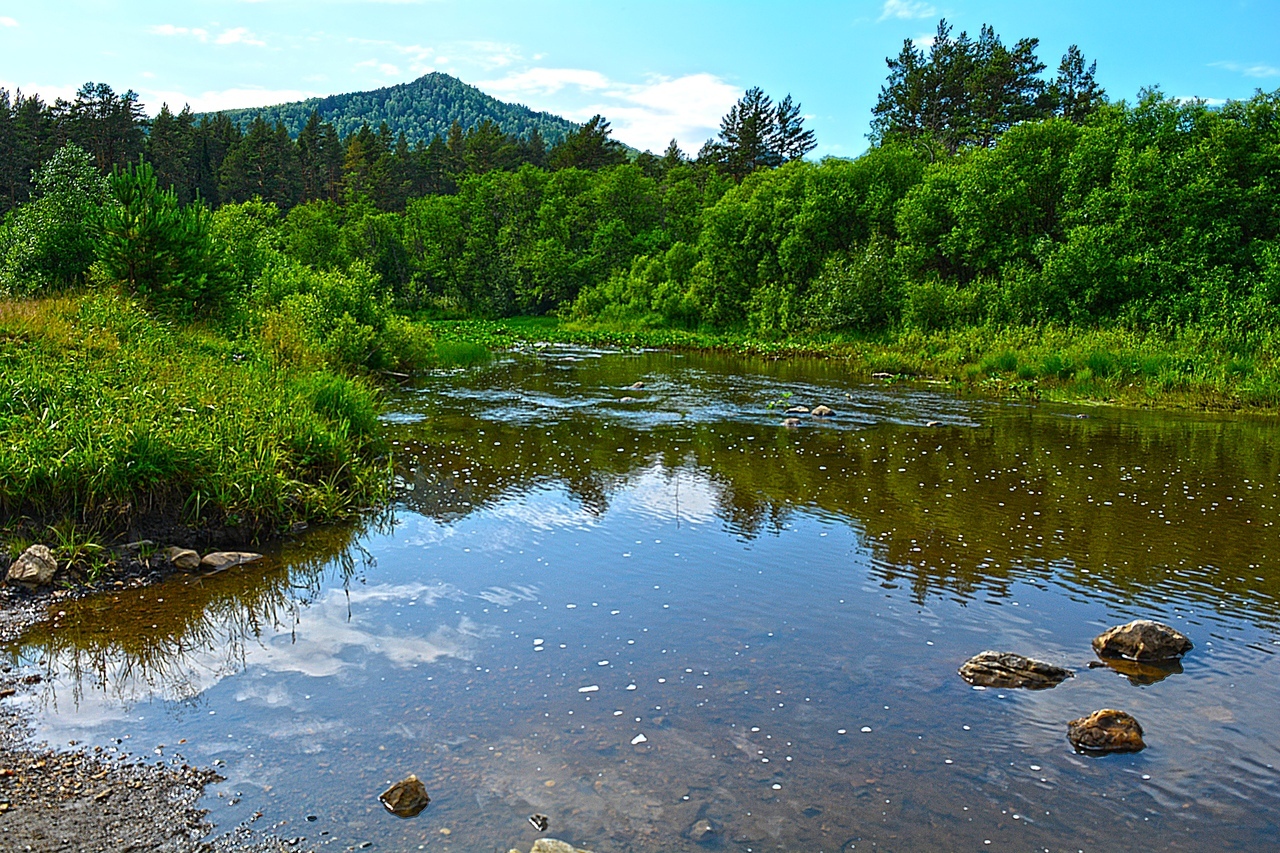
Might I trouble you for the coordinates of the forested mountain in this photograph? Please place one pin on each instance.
(420, 110)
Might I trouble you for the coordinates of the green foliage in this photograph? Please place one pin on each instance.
(159, 250)
(49, 242)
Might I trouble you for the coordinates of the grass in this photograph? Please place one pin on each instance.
(109, 415)
(1193, 368)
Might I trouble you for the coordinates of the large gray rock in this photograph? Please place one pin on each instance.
(183, 558)
(1107, 730)
(406, 798)
(219, 560)
(1143, 640)
(35, 567)
(1005, 669)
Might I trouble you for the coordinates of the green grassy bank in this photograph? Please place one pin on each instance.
(111, 418)
(1188, 369)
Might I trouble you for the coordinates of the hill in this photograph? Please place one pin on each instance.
(421, 109)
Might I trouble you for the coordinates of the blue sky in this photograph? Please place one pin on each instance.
(657, 69)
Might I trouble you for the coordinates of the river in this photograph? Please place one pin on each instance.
(668, 622)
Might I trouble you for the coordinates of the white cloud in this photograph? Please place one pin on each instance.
(385, 68)
(6, 21)
(1191, 99)
(907, 9)
(47, 93)
(226, 99)
(645, 115)
(1248, 70)
(239, 35)
(924, 42)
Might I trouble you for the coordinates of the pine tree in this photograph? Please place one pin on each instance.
(1075, 94)
(589, 147)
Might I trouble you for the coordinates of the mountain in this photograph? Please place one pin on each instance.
(420, 109)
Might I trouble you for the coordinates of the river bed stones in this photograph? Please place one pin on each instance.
(220, 560)
(183, 558)
(406, 798)
(1107, 730)
(1006, 669)
(35, 567)
(1142, 640)
(823, 412)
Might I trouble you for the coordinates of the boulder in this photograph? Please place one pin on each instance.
(1005, 669)
(35, 567)
(183, 558)
(1142, 640)
(822, 411)
(406, 798)
(219, 560)
(1107, 730)
(791, 422)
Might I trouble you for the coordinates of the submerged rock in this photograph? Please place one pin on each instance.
(1005, 669)
(35, 567)
(219, 560)
(797, 410)
(406, 798)
(1139, 672)
(183, 558)
(554, 845)
(822, 411)
(791, 422)
(702, 831)
(1141, 640)
(1107, 730)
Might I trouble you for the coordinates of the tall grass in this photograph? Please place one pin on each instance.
(108, 415)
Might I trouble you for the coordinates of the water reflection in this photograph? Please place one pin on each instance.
(778, 612)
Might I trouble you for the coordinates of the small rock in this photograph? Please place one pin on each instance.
(627, 400)
(797, 410)
(702, 831)
(135, 547)
(219, 560)
(933, 423)
(791, 422)
(1107, 730)
(1005, 669)
(636, 386)
(36, 567)
(539, 822)
(554, 845)
(823, 411)
(882, 376)
(1142, 640)
(406, 798)
(639, 739)
(183, 558)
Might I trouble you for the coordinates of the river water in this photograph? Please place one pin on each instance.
(633, 610)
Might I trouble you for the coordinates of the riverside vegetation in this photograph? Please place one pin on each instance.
(198, 315)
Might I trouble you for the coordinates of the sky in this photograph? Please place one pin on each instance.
(657, 70)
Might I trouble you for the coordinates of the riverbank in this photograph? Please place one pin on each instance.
(117, 426)
(1192, 369)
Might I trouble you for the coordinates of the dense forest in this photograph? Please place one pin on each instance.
(422, 109)
(992, 193)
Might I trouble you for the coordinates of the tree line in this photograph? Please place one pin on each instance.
(991, 194)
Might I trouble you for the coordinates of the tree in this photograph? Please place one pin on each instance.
(962, 93)
(158, 249)
(756, 134)
(170, 151)
(107, 125)
(589, 147)
(1074, 93)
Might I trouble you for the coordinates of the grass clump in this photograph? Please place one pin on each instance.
(109, 415)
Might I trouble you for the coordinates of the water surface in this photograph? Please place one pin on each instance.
(631, 609)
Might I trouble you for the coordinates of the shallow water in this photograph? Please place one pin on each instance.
(780, 613)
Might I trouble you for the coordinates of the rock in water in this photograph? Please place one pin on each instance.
(823, 411)
(1005, 669)
(219, 560)
(554, 845)
(1142, 640)
(636, 386)
(702, 831)
(406, 798)
(797, 410)
(36, 567)
(183, 558)
(1107, 730)
(791, 422)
